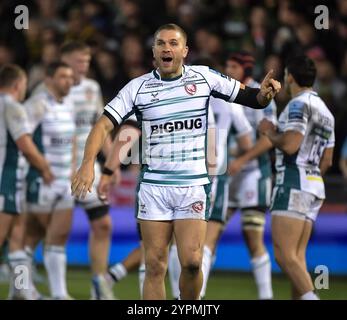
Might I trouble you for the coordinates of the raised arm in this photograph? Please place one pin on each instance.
(84, 177)
(258, 98)
(288, 141)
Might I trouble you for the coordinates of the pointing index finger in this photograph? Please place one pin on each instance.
(268, 75)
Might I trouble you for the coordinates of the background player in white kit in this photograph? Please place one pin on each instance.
(172, 199)
(52, 121)
(15, 141)
(88, 104)
(305, 144)
(250, 188)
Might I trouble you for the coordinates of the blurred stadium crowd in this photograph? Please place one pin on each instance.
(120, 34)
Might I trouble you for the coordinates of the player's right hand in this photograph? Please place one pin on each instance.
(47, 176)
(82, 181)
(104, 187)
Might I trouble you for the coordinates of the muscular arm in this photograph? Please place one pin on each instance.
(123, 142)
(26, 145)
(251, 97)
(289, 141)
(96, 139)
(83, 179)
(326, 161)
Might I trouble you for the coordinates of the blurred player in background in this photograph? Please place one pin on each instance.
(250, 188)
(88, 103)
(52, 121)
(16, 142)
(304, 145)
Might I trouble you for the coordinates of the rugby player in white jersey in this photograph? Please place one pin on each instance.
(304, 143)
(171, 105)
(250, 188)
(15, 141)
(52, 121)
(88, 103)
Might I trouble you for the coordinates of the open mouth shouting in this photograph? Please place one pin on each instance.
(167, 61)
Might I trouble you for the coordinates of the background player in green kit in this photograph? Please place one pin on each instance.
(304, 145)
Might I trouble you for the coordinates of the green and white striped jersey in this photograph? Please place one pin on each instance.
(53, 127)
(307, 114)
(88, 106)
(13, 124)
(174, 116)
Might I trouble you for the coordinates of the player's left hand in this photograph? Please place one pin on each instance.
(82, 181)
(269, 87)
(235, 166)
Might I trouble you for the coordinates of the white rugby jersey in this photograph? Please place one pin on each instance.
(230, 121)
(53, 127)
(174, 116)
(13, 124)
(254, 116)
(89, 106)
(307, 114)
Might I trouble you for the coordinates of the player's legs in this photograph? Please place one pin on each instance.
(131, 262)
(35, 230)
(6, 221)
(254, 197)
(286, 234)
(54, 253)
(253, 221)
(156, 236)
(190, 236)
(99, 249)
(99, 239)
(301, 253)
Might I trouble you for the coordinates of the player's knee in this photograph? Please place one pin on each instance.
(253, 219)
(191, 266)
(58, 238)
(102, 227)
(156, 266)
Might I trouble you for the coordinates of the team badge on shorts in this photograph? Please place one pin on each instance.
(190, 88)
(198, 206)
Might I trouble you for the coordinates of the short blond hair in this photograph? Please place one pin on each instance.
(171, 26)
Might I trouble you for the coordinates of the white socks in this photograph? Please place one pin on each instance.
(262, 273)
(174, 268)
(309, 296)
(20, 280)
(55, 264)
(118, 272)
(142, 274)
(206, 267)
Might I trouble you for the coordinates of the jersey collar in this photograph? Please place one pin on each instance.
(157, 75)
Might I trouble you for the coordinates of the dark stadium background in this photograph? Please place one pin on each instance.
(120, 34)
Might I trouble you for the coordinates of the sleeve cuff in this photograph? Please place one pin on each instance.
(109, 115)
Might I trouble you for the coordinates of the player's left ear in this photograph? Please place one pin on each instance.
(185, 52)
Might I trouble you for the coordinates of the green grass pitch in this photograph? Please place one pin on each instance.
(221, 286)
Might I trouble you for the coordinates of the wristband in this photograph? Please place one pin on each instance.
(107, 171)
